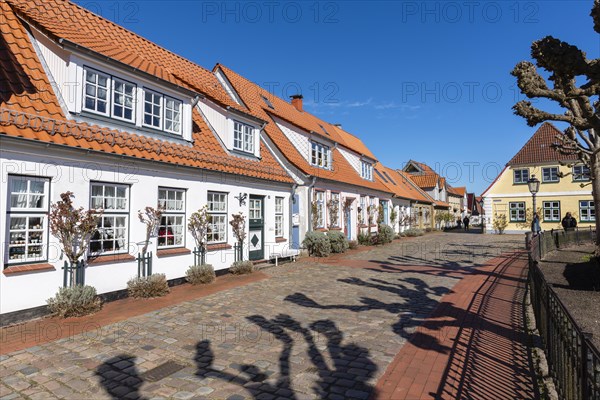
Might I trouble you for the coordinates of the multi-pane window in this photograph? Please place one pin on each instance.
(520, 176)
(111, 235)
(319, 155)
(243, 137)
(255, 209)
(551, 211)
(517, 211)
(27, 219)
(152, 109)
(217, 217)
(363, 209)
(171, 228)
(550, 174)
(587, 212)
(172, 115)
(335, 218)
(320, 208)
(123, 100)
(581, 173)
(114, 97)
(367, 170)
(278, 216)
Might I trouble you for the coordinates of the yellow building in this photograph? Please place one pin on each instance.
(564, 187)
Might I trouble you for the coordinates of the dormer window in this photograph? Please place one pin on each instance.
(367, 171)
(320, 155)
(243, 137)
(116, 98)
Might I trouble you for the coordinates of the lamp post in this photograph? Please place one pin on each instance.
(534, 186)
(481, 215)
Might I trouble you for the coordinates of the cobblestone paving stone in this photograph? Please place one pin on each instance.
(315, 329)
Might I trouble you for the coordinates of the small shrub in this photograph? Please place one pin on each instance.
(338, 242)
(317, 244)
(146, 287)
(428, 229)
(412, 232)
(241, 268)
(199, 274)
(385, 234)
(500, 223)
(402, 234)
(74, 301)
(364, 239)
(353, 244)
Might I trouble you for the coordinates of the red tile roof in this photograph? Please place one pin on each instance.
(402, 186)
(425, 181)
(457, 191)
(538, 148)
(29, 108)
(252, 95)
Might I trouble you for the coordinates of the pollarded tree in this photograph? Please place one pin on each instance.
(567, 66)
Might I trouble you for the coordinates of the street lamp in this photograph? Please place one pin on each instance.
(534, 187)
(481, 215)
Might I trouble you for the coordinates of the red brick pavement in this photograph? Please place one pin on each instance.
(473, 346)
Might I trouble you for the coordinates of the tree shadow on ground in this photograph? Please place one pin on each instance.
(582, 276)
(348, 378)
(119, 377)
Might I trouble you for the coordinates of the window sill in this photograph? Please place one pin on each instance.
(363, 226)
(280, 240)
(25, 268)
(218, 246)
(172, 252)
(321, 229)
(111, 259)
(335, 229)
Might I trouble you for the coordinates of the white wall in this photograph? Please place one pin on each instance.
(298, 138)
(69, 170)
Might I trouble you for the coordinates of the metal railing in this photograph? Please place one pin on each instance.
(573, 359)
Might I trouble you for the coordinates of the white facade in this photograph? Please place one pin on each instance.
(74, 170)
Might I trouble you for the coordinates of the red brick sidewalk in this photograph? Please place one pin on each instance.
(473, 346)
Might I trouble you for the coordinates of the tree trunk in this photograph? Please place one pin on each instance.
(595, 176)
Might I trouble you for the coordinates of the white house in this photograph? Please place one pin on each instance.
(123, 124)
(333, 170)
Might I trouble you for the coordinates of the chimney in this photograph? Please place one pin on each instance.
(339, 126)
(297, 101)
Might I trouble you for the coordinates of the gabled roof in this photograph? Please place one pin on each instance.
(69, 24)
(30, 110)
(402, 186)
(538, 148)
(457, 191)
(354, 143)
(252, 95)
(425, 181)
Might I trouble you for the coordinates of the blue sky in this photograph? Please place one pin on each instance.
(423, 80)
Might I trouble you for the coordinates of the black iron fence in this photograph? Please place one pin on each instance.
(74, 274)
(573, 360)
(144, 264)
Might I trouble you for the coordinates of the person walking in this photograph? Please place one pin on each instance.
(535, 225)
(466, 221)
(568, 222)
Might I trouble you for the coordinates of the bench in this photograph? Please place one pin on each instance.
(287, 253)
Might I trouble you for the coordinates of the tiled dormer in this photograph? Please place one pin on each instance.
(112, 95)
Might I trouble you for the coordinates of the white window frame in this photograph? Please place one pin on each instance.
(243, 137)
(517, 207)
(580, 174)
(550, 180)
(552, 208)
(114, 93)
(519, 172)
(587, 212)
(320, 201)
(107, 100)
(172, 222)
(335, 196)
(279, 216)
(33, 239)
(119, 210)
(367, 170)
(176, 110)
(217, 208)
(153, 104)
(320, 155)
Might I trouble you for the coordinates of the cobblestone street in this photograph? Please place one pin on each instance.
(318, 328)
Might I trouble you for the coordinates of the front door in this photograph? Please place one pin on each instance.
(348, 222)
(256, 225)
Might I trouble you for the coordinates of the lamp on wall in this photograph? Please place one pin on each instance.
(242, 199)
(534, 187)
(481, 215)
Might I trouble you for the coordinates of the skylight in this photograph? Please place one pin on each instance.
(324, 130)
(268, 102)
(381, 176)
(391, 180)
